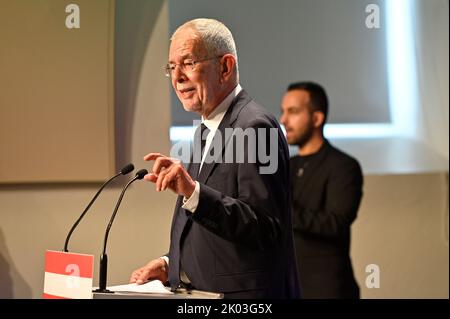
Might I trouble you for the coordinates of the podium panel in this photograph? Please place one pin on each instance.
(180, 294)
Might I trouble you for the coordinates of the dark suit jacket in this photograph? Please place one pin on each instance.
(326, 200)
(239, 240)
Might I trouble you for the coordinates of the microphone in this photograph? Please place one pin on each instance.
(104, 258)
(124, 171)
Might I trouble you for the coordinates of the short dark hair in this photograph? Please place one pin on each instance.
(318, 96)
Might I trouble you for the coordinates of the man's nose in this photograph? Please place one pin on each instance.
(178, 75)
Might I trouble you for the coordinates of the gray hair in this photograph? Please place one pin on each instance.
(215, 36)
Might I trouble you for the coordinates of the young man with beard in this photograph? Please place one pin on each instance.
(327, 190)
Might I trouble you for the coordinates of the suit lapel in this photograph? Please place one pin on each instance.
(228, 120)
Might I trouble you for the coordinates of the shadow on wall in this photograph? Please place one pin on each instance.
(135, 22)
(9, 274)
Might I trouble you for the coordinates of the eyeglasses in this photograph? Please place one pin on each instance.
(185, 66)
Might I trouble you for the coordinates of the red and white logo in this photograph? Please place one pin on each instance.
(68, 275)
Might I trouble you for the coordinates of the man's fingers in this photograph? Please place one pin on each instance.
(161, 162)
(161, 176)
(151, 177)
(143, 276)
(134, 275)
(152, 156)
(170, 176)
(160, 170)
(141, 281)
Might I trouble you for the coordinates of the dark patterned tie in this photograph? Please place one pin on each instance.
(181, 220)
(195, 168)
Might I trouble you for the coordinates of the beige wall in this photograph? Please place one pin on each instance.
(34, 218)
(56, 100)
(402, 227)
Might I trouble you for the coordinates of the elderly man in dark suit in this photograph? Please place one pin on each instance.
(327, 191)
(231, 230)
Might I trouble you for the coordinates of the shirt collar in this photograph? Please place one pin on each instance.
(216, 116)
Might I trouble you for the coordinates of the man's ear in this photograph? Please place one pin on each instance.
(318, 119)
(228, 64)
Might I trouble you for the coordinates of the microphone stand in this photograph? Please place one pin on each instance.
(104, 257)
(125, 170)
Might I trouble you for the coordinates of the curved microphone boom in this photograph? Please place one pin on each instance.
(125, 170)
(104, 258)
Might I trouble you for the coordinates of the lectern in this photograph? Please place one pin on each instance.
(179, 294)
